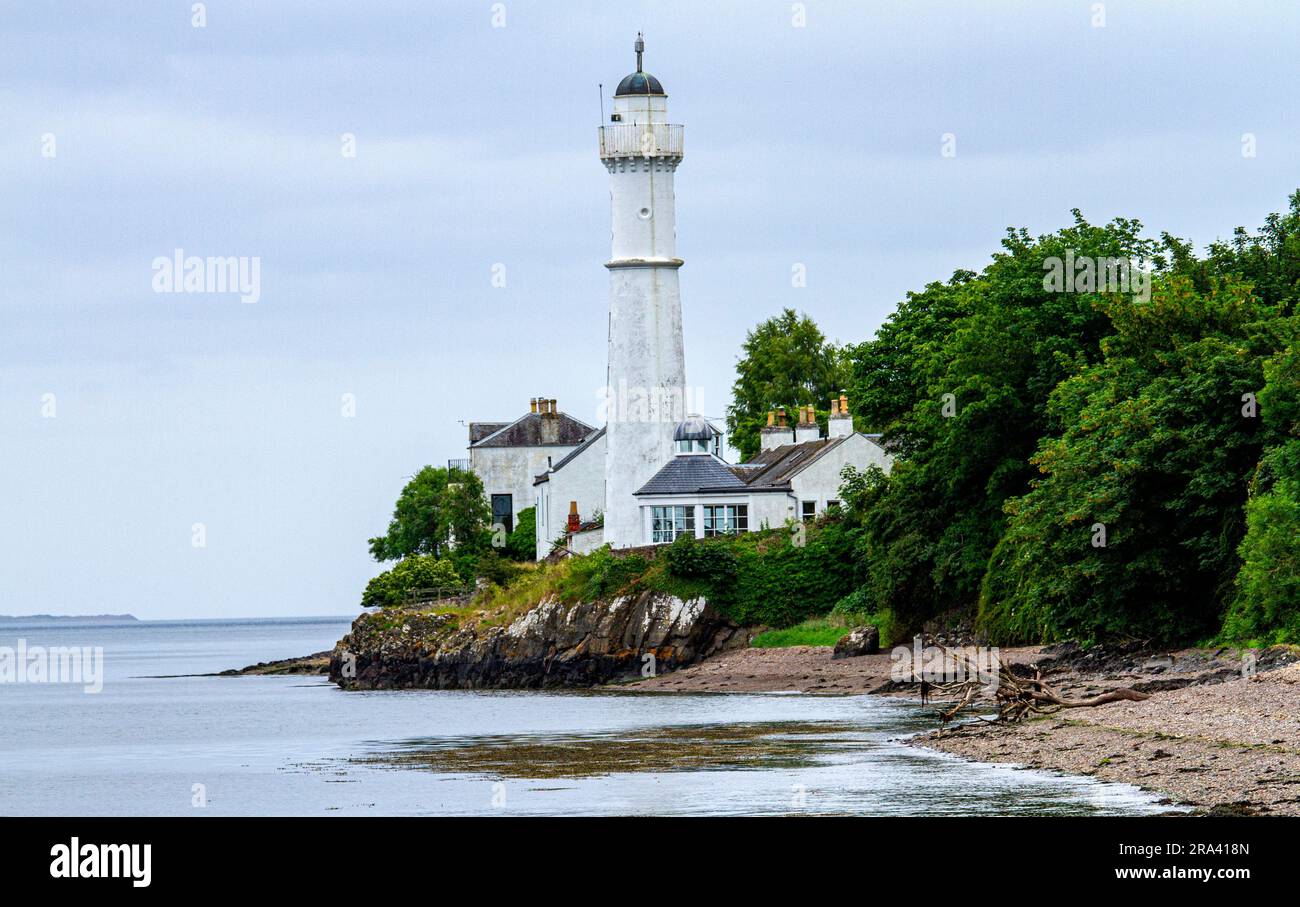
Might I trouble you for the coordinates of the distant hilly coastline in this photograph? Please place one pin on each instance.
(68, 618)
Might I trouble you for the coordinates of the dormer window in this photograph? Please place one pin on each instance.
(695, 436)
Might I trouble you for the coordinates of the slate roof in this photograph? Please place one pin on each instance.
(480, 430)
(591, 439)
(691, 474)
(773, 469)
(529, 431)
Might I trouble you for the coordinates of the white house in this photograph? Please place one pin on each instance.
(570, 496)
(796, 476)
(507, 455)
(651, 473)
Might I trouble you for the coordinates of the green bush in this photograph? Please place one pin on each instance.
(1266, 604)
(521, 544)
(495, 569)
(711, 562)
(855, 610)
(601, 574)
(777, 577)
(419, 571)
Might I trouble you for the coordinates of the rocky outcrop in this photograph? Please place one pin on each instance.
(859, 641)
(553, 645)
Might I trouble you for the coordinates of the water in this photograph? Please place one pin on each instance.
(300, 746)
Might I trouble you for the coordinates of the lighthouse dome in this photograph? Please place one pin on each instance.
(694, 428)
(639, 83)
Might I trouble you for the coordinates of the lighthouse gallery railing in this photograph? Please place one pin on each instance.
(641, 140)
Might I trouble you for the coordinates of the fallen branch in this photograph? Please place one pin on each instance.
(1017, 697)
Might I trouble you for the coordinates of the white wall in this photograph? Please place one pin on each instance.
(511, 470)
(583, 480)
(821, 480)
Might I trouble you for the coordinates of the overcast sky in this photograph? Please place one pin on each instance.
(475, 146)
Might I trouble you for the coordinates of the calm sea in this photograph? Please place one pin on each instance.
(154, 743)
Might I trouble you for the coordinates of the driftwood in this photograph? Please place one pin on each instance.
(1016, 697)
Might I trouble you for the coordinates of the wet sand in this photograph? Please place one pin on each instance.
(1212, 735)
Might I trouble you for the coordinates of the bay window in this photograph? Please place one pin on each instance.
(724, 519)
(666, 523)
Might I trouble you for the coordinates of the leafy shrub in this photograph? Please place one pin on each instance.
(855, 610)
(711, 562)
(521, 544)
(601, 574)
(1266, 606)
(495, 569)
(419, 571)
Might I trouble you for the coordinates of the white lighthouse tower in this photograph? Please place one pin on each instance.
(647, 365)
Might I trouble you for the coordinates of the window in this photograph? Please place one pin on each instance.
(809, 510)
(833, 505)
(724, 519)
(689, 446)
(666, 523)
(503, 511)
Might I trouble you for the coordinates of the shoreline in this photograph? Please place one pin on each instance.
(1208, 737)
(1220, 732)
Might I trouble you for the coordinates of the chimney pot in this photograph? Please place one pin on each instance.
(771, 418)
(840, 424)
(780, 415)
(807, 429)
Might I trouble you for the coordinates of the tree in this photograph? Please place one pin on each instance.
(1133, 524)
(959, 379)
(521, 544)
(1266, 606)
(438, 509)
(786, 362)
(419, 572)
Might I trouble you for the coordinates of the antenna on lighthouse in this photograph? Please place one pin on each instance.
(640, 49)
(600, 86)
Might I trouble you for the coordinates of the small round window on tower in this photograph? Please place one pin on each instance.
(644, 213)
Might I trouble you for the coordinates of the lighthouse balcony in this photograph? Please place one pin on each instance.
(641, 140)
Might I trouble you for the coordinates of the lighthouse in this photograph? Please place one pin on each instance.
(646, 378)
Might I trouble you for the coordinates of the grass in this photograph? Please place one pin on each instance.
(816, 631)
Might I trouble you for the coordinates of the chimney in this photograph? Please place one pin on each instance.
(532, 405)
(774, 436)
(574, 521)
(554, 407)
(840, 424)
(807, 429)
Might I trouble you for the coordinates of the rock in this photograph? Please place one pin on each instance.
(858, 641)
(556, 644)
